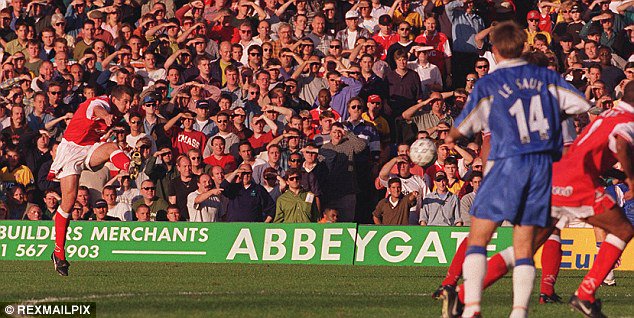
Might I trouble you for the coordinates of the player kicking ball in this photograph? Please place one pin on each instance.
(82, 148)
(577, 195)
(520, 106)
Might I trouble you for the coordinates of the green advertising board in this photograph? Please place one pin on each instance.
(308, 243)
(417, 245)
(183, 242)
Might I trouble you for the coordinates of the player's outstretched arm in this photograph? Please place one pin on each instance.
(102, 113)
(454, 134)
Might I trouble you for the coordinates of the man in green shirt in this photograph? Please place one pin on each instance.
(18, 44)
(158, 206)
(296, 205)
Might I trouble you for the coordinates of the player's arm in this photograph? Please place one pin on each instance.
(625, 155)
(571, 101)
(454, 134)
(101, 113)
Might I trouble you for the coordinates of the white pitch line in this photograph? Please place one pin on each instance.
(159, 252)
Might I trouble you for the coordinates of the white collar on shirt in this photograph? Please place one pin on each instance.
(511, 63)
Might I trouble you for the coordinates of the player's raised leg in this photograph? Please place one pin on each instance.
(108, 152)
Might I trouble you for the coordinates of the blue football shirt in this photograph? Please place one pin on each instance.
(521, 106)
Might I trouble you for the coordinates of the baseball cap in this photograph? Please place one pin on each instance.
(594, 30)
(202, 104)
(385, 20)
(374, 98)
(423, 48)
(95, 14)
(352, 14)
(440, 175)
(533, 14)
(575, 8)
(152, 97)
(566, 37)
(101, 203)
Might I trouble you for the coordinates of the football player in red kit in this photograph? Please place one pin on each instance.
(82, 148)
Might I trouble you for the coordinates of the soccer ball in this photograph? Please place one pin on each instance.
(422, 152)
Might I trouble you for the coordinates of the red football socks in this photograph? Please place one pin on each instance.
(455, 269)
(551, 260)
(120, 160)
(610, 251)
(61, 226)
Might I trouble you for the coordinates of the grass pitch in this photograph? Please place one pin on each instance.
(124, 289)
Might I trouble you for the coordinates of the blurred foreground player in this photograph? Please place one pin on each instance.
(520, 106)
(577, 194)
(82, 148)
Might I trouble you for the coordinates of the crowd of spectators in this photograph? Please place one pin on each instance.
(277, 110)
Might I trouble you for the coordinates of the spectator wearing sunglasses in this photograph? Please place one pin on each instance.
(533, 28)
(296, 205)
(158, 206)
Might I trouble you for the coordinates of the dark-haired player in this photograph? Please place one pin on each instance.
(82, 148)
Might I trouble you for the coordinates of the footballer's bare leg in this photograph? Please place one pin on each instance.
(524, 270)
(68, 185)
(109, 152)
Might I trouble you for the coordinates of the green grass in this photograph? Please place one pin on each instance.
(239, 290)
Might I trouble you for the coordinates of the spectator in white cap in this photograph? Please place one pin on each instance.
(352, 32)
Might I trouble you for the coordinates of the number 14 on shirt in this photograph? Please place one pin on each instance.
(536, 121)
